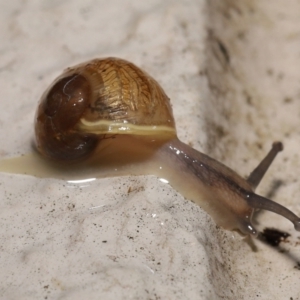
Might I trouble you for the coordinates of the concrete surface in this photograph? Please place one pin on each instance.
(231, 71)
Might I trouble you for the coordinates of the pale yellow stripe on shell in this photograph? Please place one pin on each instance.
(109, 127)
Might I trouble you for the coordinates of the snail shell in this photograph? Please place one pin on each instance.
(92, 100)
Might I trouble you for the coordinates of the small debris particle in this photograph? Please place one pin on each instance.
(273, 236)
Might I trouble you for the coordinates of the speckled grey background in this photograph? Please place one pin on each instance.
(231, 71)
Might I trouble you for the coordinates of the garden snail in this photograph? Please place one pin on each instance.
(109, 115)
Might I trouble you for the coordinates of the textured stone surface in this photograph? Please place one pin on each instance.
(135, 237)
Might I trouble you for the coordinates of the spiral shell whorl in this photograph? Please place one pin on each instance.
(125, 100)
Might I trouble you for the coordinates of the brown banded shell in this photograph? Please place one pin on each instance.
(95, 99)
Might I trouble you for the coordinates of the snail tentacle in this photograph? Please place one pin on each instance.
(258, 173)
(259, 202)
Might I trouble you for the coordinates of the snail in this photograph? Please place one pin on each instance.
(109, 117)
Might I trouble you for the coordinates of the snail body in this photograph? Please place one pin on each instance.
(110, 117)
